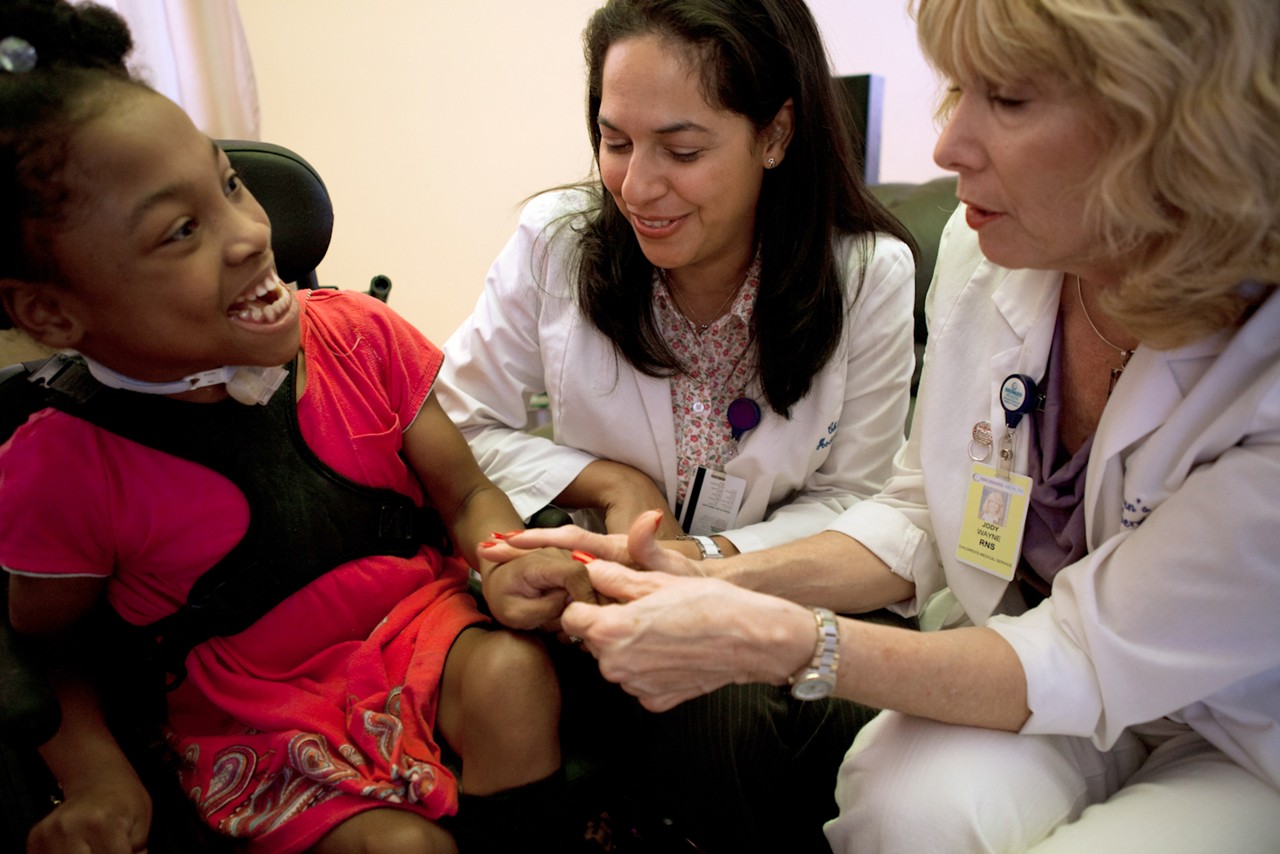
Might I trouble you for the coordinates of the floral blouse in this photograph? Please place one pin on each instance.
(719, 365)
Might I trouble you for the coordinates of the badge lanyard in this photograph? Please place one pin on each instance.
(713, 498)
(997, 499)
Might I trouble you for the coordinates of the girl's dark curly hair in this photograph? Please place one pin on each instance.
(80, 50)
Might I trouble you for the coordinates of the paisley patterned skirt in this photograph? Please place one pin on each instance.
(326, 706)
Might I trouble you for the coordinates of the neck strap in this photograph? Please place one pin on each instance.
(248, 384)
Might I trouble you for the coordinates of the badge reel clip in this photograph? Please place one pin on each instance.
(1018, 396)
(743, 415)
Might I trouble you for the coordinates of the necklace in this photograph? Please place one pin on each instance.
(696, 325)
(1125, 355)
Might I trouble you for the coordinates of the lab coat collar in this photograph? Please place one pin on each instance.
(1152, 386)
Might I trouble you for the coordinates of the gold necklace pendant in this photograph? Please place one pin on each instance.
(698, 326)
(1125, 355)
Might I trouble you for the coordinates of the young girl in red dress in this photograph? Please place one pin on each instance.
(129, 239)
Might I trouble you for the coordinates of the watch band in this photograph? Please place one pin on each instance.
(818, 678)
(708, 547)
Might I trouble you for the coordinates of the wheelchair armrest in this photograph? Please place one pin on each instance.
(29, 709)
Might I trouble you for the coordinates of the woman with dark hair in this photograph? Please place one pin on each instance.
(721, 321)
(725, 302)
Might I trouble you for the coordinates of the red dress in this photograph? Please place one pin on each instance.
(325, 707)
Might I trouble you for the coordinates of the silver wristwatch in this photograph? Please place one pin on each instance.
(818, 679)
(706, 547)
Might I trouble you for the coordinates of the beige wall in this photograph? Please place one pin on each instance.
(430, 120)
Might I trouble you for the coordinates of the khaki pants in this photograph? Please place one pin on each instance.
(912, 785)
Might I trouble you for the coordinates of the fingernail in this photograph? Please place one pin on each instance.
(582, 557)
(509, 534)
(497, 536)
(488, 544)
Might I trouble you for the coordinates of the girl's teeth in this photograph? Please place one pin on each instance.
(270, 311)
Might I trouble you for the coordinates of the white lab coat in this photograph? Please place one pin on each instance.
(527, 336)
(1175, 610)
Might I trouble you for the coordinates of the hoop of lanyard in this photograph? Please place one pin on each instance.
(1018, 396)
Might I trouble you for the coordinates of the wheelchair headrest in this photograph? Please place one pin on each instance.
(296, 201)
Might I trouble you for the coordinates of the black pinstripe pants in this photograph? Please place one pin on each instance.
(744, 769)
(748, 768)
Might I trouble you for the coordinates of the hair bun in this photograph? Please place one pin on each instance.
(102, 35)
(69, 36)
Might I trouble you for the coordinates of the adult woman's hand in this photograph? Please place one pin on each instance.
(674, 638)
(621, 493)
(639, 547)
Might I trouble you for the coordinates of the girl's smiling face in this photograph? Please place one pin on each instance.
(164, 255)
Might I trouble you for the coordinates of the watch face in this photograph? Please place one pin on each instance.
(811, 686)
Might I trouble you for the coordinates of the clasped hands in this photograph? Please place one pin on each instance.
(532, 583)
(665, 634)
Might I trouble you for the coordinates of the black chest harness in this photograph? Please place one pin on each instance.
(304, 518)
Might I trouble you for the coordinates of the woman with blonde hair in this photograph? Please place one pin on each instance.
(1105, 348)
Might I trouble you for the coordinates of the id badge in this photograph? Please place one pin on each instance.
(711, 502)
(995, 515)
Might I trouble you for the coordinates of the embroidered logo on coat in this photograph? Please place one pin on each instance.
(1134, 513)
(827, 440)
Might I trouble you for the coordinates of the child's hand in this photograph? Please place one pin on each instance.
(109, 814)
(530, 589)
